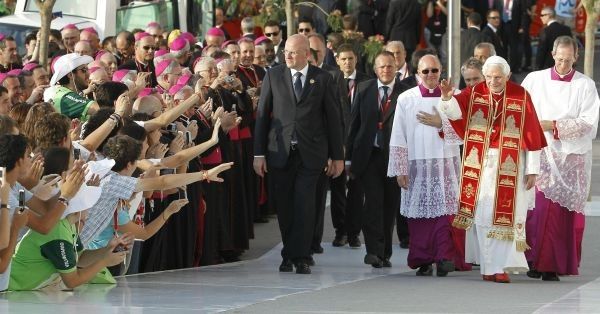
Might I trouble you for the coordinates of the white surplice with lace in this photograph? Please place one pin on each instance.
(431, 163)
(566, 163)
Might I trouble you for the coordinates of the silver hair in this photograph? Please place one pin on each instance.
(562, 41)
(471, 63)
(488, 46)
(172, 65)
(181, 52)
(496, 61)
(548, 10)
(395, 43)
(223, 62)
(247, 25)
(204, 63)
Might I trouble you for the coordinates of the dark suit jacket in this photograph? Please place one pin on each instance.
(365, 119)
(547, 37)
(340, 91)
(483, 6)
(360, 77)
(496, 40)
(315, 117)
(246, 81)
(280, 57)
(469, 39)
(371, 17)
(403, 22)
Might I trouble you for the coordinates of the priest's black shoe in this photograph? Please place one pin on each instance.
(386, 262)
(425, 270)
(404, 243)
(445, 266)
(302, 268)
(340, 240)
(373, 260)
(286, 266)
(311, 261)
(354, 242)
(550, 276)
(532, 273)
(317, 249)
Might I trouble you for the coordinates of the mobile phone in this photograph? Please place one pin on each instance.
(182, 193)
(234, 108)
(172, 128)
(119, 248)
(21, 201)
(229, 79)
(2, 173)
(57, 14)
(76, 153)
(183, 119)
(188, 137)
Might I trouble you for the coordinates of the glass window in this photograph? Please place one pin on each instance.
(138, 16)
(82, 8)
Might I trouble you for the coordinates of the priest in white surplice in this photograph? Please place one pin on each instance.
(567, 105)
(427, 169)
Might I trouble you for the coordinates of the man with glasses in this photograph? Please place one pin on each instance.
(494, 32)
(305, 27)
(167, 73)
(552, 30)
(145, 46)
(298, 128)
(71, 76)
(426, 167)
(91, 36)
(273, 32)
(125, 42)
(567, 105)
(155, 30)
(70, 36)
(266, 44)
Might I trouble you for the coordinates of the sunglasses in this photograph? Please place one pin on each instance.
(303, 30)
(433, 71)
(544, 15)
(149, 47)
(272, 34)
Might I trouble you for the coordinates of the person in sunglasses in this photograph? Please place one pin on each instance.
(145, 46)
(273, 32)
(426, 167)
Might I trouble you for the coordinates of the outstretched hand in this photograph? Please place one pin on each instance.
(447, 89)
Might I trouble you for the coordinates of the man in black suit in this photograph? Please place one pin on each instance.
(337, 185)
(298, 128)
(548, 34)
(273, 31)
(403, 22)
(471, 36)
(346, 216)
(484, 6)
(371, 16)
(367, 151)
(514, 20)
(494, 32)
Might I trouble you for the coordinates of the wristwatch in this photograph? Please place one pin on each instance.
(63, 200)
(4, 206)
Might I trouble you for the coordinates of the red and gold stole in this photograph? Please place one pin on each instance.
(482, 113)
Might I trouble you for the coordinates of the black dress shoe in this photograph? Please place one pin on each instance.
(373, 260)
(310, 261)
(354, 243)
(340, 240)
(386, 262)
(425, 270)
(318, 249)
(445, 266)
(532, 273)
(286, 266)
(550, 276)
(302, 268)
(404, 244)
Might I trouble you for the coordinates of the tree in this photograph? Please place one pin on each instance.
(592, 9)
(45, 8)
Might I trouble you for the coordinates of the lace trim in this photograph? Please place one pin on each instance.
(432, 188)
(450, 135)
(573, 129)
(398, 163)
(565, 178)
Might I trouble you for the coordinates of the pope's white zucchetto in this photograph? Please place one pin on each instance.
(496, 61)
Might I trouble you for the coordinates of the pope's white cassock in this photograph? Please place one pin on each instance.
(555, 226)
(432, 165)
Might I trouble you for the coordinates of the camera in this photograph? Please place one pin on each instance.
(172, 128)
(119, 248)
(188, 137)
(76, 153)
(229, 79)
(22, 201)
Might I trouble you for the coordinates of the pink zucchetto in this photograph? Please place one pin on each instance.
(261, 40)
(179, 44)
(15, 72)
(146, 91)
(153, 24)
(175, 89)
(162, 66)
(215, 31)
(189, 37)
(29, 66)
(160, 53)
(3, 77)
(69, 26)
(184, 79)
(227, 43)
(140, 35)
(119, 75)
(90, 30)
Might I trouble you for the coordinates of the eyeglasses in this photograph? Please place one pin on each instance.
(289, 52)
(433, 71)
(494, 17)
(304, 30)
(272, 34)
(149, 47)
(546, 14)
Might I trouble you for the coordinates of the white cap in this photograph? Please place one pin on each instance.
(99, 167)
(85, 198)
(66, 64)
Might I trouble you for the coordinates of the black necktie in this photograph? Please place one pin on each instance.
(382, 109)
(298, 85)
(399, 76)
(384, 98)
